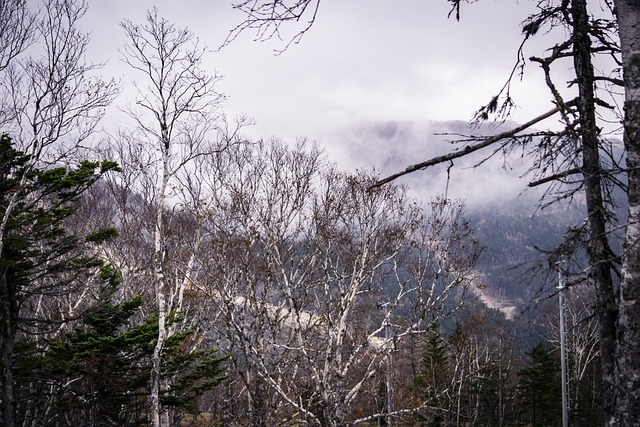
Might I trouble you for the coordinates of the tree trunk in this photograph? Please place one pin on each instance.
(627, 375)
(258, 403)
(159, 256)
(8, 314)
(598, 249)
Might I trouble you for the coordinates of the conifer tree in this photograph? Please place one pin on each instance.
(95, 374)
(434, 377)
(540, 388)
(38, 257)
(98, 373)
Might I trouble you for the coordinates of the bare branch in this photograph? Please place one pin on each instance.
(266, 18)
(555, 177)
(466, 150)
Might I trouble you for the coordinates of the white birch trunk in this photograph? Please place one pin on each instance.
(175, 113)
(627, 380)
(160, 284)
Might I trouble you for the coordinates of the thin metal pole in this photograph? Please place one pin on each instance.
(389, 365)
(388, 385)
(563, 343)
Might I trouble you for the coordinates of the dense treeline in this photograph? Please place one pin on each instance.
(516, 247)
(180, 274)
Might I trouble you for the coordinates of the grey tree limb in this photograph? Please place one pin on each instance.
(466, 150)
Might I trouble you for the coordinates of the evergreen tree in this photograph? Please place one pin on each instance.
(434, 377)
(540, 388)
(39, 259)
(95, 374)
(495, 393)
(189, 374)
(98, 373)
(488, 386)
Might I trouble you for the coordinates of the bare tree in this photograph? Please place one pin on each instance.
(17, 32)
(56, 98)
(300, 262)
(175, 112)
(266, 19)
(581, 340)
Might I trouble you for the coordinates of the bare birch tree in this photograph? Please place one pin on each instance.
(175, 112)
(581, 342)
(56, 98)
(300, 262)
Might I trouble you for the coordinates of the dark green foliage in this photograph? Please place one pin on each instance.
(465, 377)
(540, 388)
(39, 260)
(35, 203)
(189, 373)
(489, 386)
(98, 369)
(434, 364)
(434, 377)
(98, 373)
(12, 165)
(101, 235)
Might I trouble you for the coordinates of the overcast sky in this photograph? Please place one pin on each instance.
(364, 61)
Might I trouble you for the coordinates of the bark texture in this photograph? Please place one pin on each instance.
(627, 375)
(598, 249)
(9, 314)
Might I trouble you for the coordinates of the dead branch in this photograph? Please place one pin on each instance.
(466, 150)
(554, 177)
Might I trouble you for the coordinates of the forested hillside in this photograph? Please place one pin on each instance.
(508, 217)
(516, 246)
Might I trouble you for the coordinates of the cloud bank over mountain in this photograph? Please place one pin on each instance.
(391, 146)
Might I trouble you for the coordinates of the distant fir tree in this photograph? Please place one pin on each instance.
(540, 388)
(433, 380)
